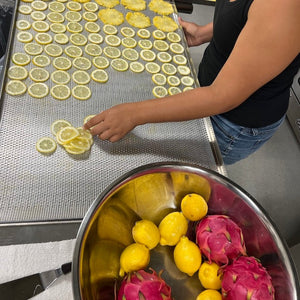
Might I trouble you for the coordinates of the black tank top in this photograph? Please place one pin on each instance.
(268, 104)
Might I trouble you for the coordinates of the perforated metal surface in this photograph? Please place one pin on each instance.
(35, 187)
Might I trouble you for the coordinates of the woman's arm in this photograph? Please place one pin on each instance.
(266, 46)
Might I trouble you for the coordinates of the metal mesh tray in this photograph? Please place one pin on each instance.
(35, 187)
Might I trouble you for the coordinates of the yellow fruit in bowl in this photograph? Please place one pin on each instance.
(209, 276)
(146, 232)
(209, 295)
(172, 227)
(134, 257)
(194, 207)
(187, 256)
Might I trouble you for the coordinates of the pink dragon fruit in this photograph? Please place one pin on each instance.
(247, 279)
(141, 285)
(220, 239)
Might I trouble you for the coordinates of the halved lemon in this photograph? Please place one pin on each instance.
(53, 50)
(56, 6)
(95, 38)
(60, 92)
(144, 33)
(176, 48)
(81, 92)
(62, 63)
(111, 16)
(174, 90)
(38, 16)
(74, 6)
(129, 42)
(161, 45)
(61, 38)
(159, 91)
(73, 16)
(187, 81)
(39, 5)
(119, 64)
(136, 67)
(99, 76)
(78, 39)
(41, 61)
(159, 79)
(21, 59)
(92, 27)
(24, 37)
(112, 40)
(74, 27)
(130, 54)
(57, 125)
(82, 63)
(173, 80)
(89, 16)
(55, 17)
(169, 69)
(127, 31)
(145, 44)
(179, 59)
(17, 73)
(58, 28)
(67, 134)
(81, 77)
(15, 88)
(60, 77)
(148, 55)
(91, 6)
(112, 52)
(93, 50)
(184, 70)
(23, 24)
(159, 34)
(43, 38)
(110, 29)
(152, 67)
(173, 37)
(40, 26)
(39, 74)
(33, 49)
(38, 90)
(46, 145)
(25, 9)
(100, 62)
(73, 51)
(164, 57)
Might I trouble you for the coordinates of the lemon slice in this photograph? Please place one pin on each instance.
(74, 150)
(39, 74)
(127, 31)
(41, 61)
(112, 52)
(55, 17)
(27, 1)
(93, 50)
(161, 45)
(159, 34)
(112, 40)
(81, 77)
(92, 27)
(39, 5)
(173, 37)
(60, 77)
(129, 42)
(159, 79)
(95, 38)
(17, 73)
(61, 38)
(161, 7)
(91, 6)
(187, 88)
(110, 29)
(184, 70)
(100, 62)
(40, 26)
(15, 88)
(173, 80)
(119, 64)
(38, 16)
(74, 27)
(73, 51)
(21, 59)
(89, 16)
(53, 50)
(73, 16)
(176, 48)
(62, 63)
(23, 25)
(56, 6)
(25, 9)
(179, 59)
(147, 55)
(165, 23)
(81, 92)
(82, 63)
(169, 69)
(78, 39)
(33, 49)
(152, 67)
(138, 19)
(164, 57)
(136, 67)
(174, 90)
(145, 44)
(74, 6)
(99, 76)
(80, 143)
(45, 145)
(144, 33)
(38, 90)
(57, 125)
(130, 54)
(187, 80)
(85, 120)
(43, 38)
(58, 28)
(24, 37)
(62, 1)
(60, 92)
(111, 16)
(85, 133)
(159, 91)
(67, 134)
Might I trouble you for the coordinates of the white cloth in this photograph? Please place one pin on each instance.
(20, 260)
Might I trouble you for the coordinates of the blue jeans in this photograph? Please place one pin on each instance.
(237, 142)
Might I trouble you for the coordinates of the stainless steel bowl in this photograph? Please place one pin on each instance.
(151, 192)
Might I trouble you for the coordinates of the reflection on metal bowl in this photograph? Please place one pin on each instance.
(151, 192)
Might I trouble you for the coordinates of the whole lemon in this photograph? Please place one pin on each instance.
(146, 232)
(187, 256)
(209, 276)
(134, 257)
(194, 207)
(172, 227)
(209, 295)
